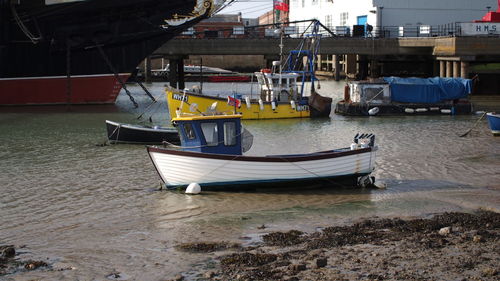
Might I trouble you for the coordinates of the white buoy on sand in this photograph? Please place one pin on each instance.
(193, 188)
(373, 111)
(380, 184)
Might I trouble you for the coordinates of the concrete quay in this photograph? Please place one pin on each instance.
(437, 46)
(360, 58)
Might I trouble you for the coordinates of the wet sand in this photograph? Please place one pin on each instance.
(448, 246)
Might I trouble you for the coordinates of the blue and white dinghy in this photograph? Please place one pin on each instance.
(494, 123)
(211, 156)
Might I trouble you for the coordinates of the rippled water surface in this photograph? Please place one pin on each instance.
(93, 210)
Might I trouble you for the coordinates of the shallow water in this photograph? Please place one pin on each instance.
(94, 210)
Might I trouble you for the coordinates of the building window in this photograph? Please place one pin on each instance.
(344, 17)
(314, 2)
(303, 3)
(328, 21)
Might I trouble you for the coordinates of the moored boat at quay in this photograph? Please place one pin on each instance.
(282, 89)
(82, 51)
(406, 96)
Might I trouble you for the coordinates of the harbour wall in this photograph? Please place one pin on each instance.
(355, 58)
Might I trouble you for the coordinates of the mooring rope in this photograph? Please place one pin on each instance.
(23, 27)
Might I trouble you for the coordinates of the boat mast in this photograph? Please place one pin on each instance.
(281, 56)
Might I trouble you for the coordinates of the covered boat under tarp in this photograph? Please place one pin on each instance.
(428, 90)
(395, 96)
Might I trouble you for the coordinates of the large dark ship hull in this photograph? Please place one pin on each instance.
(74, 52)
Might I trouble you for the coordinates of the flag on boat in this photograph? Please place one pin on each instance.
(233, 102)
(281, 5)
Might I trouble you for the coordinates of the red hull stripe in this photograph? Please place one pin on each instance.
(85, 89)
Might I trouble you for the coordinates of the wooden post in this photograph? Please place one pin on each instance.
(180, 73)
(68, 74)
(337, 67)
(464, 65)
(147, 70)
(456, 69)
(442, 68)
(449, 69)
(172, 74)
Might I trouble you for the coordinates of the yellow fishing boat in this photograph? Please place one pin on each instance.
(254, 109)
(274, 101)
(279, 96)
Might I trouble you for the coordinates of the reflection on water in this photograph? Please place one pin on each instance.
(97, 209)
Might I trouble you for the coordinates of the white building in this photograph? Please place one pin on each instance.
(409, 14)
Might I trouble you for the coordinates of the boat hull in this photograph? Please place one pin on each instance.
(85, 89)
(494, 123)
(254, 111)
(234, 172)
(40, 42)
(362, 109)
(228, 78)
(136, 134)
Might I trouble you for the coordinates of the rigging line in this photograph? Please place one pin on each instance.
(117, 76)
(223, 6)
(252, 10)
(146, 90)
(48, 11)
(23, 28)
(145, 110)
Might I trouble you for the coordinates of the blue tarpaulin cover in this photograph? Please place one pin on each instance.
(428, 90)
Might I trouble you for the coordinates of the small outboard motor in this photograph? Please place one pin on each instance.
(365, 140)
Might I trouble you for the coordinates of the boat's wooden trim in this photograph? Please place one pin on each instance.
(142, 128)
(271, 158)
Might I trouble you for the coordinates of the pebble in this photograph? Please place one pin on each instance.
(321, 262)
(490, 271)
(7, 252)
(445, 231)
(297, 267)
(178, 277)
(477, 238)
(209, 274)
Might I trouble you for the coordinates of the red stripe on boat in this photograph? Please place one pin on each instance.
(88, 89)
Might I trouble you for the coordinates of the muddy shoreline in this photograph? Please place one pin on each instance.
(448, 246)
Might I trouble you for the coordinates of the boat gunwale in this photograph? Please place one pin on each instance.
(220, 98)
(142, 128)
(270, 158)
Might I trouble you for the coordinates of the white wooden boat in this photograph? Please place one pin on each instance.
(211, 156)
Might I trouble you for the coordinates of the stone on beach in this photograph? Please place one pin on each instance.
(445, 231)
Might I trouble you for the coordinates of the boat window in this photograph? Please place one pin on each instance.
(188, 129)
(276, 81)
(210, 132)
(229, 133)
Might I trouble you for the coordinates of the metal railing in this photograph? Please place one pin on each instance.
(298, 29)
